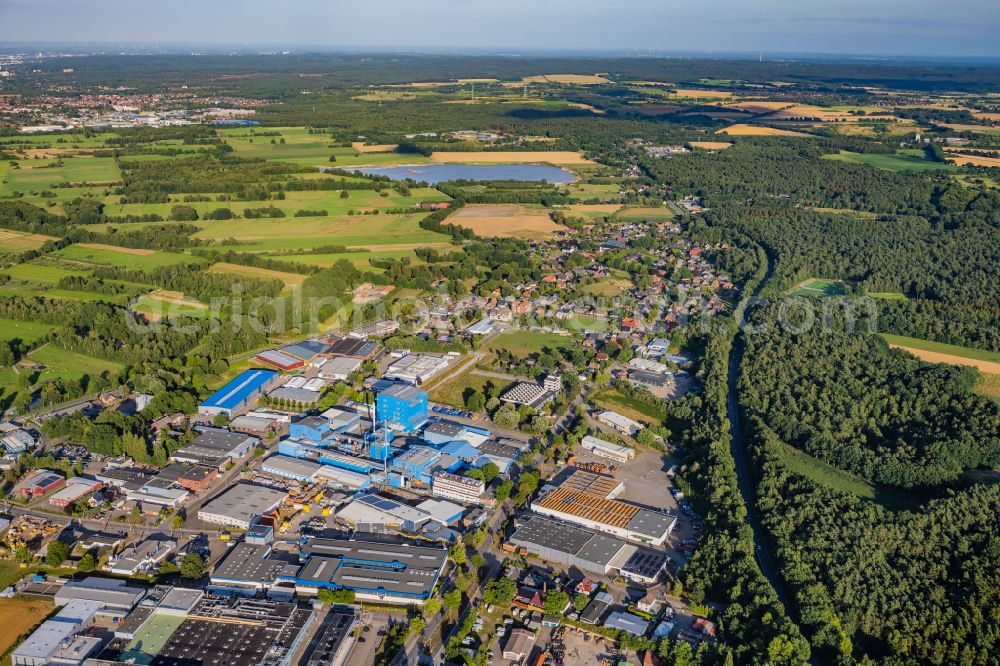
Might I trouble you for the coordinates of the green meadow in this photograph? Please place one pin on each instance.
(900, 161)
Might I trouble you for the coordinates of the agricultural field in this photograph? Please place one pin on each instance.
(741, 129)
(557, 157)
(975, 160)
(570, 79)
(41, 272)
(360, 260)
(820, 287)
(21, 241)
(288, 279)
(901, 161)
(20, 615)
(41, 174)
(110, 255)
(710, 145)
(939, 352)
(302, 233)
(506, 221)
(330, 201)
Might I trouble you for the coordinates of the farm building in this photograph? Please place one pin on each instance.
(237, 395)
(76, 488)
(605, 449)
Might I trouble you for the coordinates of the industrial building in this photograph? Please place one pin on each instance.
(377, 567)
(566, 544)
(402, 407)
(59, 640)
(334, 640)
(39, 482)
(416, 368)
(461, 488)
(533, 394)
(355, 347)
(620, 519)
(238, 395)
(622, 424)
(141, 557)
(291, 468)
(248, 570)
(605, 449)
(215, 448)
(627, 622)
(76, 489)
(241, 505)
(375, 513)
(339, 368)
(110, 592)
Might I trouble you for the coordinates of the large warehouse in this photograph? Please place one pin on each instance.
(237, 396)
(241, 506)
(619, 519)
(377, 567)
(566, 544)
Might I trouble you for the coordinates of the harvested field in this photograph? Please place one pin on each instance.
(587, 107)
(114, 248)
(710, 145)
(505, 221)
(938, 357)
(595, 208)
(381, 148)
(971, 128)
(511, 157)
(741, 129)
(697, 93)
(288, 279)
(577, 79)
(175, 297)
(22, 240)
(760, 107)
(975, 160)
(18, 616)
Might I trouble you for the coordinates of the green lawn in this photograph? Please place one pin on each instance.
(68, 365)
(523, 343)
(25, 331)
(942, 348)
(896, 162)
(614, 400)
(359, 259)
(453, 392)
(833, 477)
(820, 287)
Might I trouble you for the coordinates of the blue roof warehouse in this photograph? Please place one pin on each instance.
(237, 396)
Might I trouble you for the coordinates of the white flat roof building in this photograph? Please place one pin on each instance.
(241, 506)
(621, 423)
(417, 368)
(606, 449)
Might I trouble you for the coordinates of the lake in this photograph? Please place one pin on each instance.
(440, 173)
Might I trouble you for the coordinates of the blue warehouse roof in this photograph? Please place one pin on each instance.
(239, 389)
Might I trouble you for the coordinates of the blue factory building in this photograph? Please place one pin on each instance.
(312, 429)
(402, 407)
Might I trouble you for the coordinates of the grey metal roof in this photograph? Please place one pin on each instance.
(552, 534)
(649, 522)
(600, 549)
(248, 562)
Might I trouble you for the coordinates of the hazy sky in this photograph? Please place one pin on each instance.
(894, 27)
